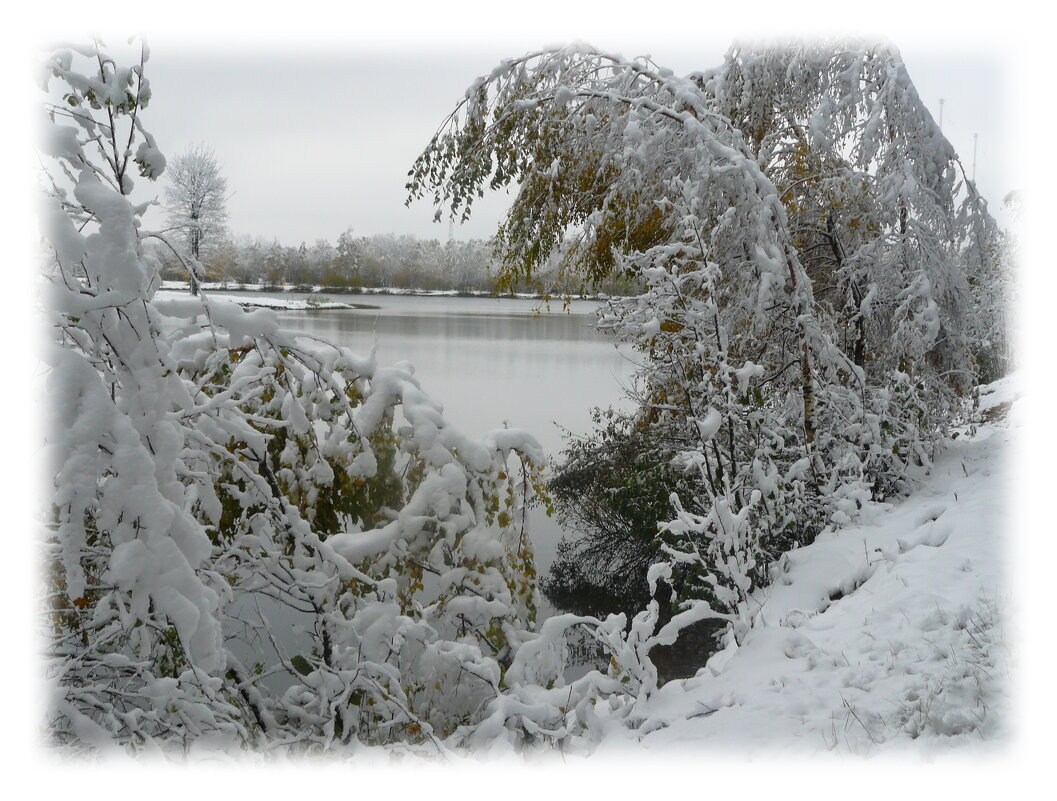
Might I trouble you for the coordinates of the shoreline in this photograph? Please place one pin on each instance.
(276, 304)
(210, 286)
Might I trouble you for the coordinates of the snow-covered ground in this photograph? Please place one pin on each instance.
(885, 635)
(264, 301)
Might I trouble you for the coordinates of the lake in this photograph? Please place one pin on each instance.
(489, 361)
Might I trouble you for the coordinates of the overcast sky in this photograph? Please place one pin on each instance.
(313, 140)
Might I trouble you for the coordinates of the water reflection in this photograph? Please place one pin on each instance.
(489, 361)
(555, 326)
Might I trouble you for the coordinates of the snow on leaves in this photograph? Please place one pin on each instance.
(805, 239)
(805, 250)
(214, 473)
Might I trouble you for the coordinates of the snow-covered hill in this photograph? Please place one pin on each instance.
(883, 635)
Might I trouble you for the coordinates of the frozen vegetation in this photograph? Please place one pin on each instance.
(354, 264)
(264, 543)
(886, 634)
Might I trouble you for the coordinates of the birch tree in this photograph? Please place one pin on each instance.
(797, 219)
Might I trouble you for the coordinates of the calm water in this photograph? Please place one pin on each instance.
(490, 361)
(487, 360)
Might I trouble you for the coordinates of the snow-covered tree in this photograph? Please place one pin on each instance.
(260, 539)
(196, 202)
(799, 224)
(254, 538)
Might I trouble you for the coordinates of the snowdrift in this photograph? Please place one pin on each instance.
(883, 635)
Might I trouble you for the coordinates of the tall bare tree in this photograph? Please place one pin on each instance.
(196, 200)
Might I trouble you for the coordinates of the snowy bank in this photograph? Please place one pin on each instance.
(883, 635)
(267, 301)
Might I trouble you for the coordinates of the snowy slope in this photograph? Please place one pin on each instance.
(883, 635)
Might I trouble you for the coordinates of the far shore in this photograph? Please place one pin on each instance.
(230, 286)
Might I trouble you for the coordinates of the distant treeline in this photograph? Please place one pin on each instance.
(353, 262)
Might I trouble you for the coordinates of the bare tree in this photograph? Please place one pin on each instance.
(196, 200)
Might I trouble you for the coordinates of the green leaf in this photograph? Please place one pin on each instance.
(301, 665)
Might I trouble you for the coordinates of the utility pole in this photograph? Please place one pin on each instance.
(942, 101)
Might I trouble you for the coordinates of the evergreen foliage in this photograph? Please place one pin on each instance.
(611, 489)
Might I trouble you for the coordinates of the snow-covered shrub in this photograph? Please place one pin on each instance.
(255, 538)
